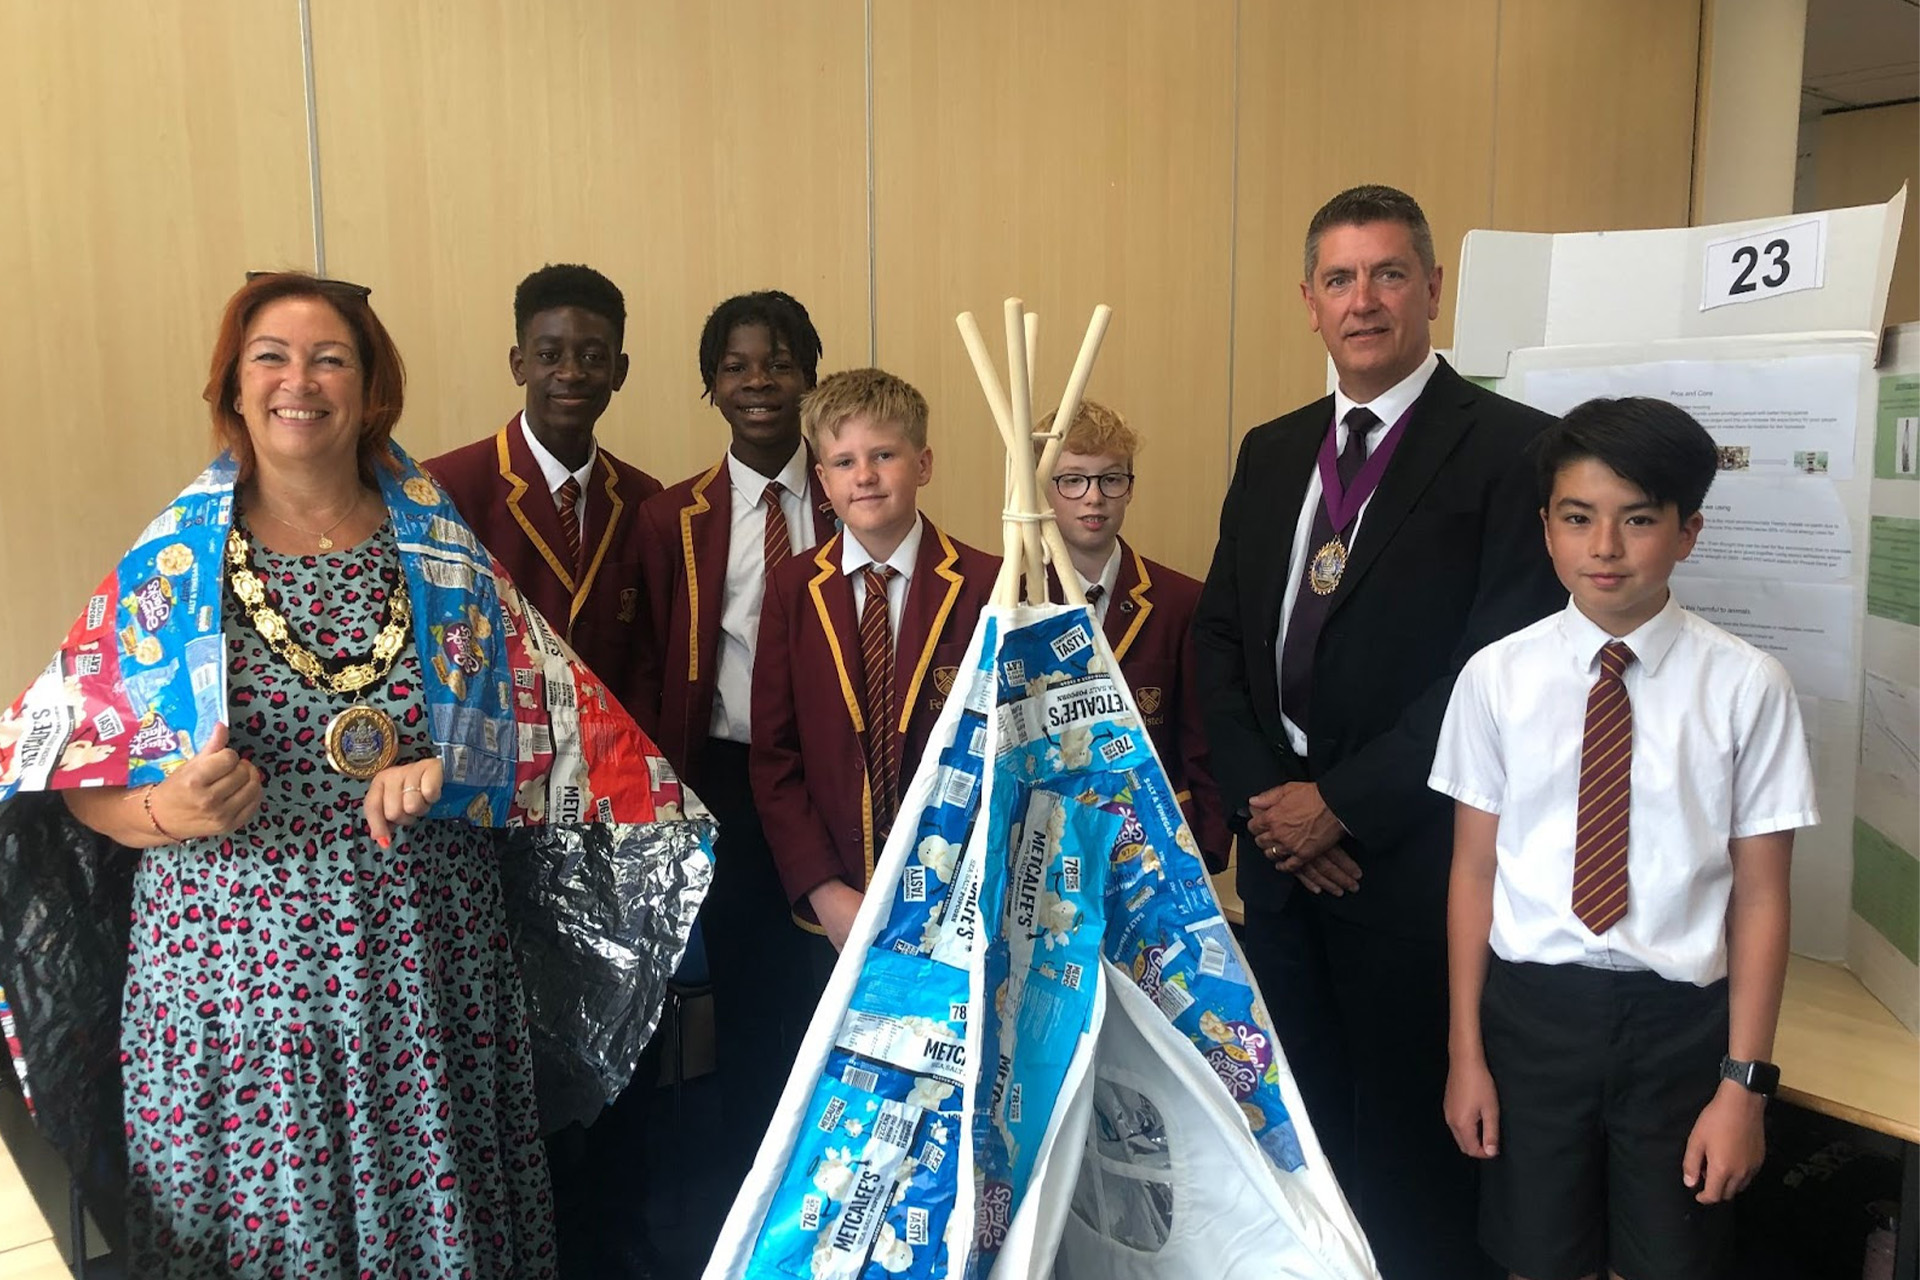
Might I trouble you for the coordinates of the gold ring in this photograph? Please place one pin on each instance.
(407, 788)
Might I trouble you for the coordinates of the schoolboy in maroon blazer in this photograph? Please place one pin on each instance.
(830, 752)
(708, 544)
(570, 322)
(759, 354)
(1145, 609)
(561, 513)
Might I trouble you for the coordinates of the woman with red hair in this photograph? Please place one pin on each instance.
(305, 697)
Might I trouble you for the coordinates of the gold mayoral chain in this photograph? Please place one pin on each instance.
(362, 740)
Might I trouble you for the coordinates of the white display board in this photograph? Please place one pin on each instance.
(1520, 290)
(1767, 331)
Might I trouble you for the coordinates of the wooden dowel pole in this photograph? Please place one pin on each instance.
(1006, 586)
(1021, 402)
(1056, 542)
(1033, 349)
(1027, 545)
(1076, 385)
(989, 377)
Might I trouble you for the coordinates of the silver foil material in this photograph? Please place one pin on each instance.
(600, 918)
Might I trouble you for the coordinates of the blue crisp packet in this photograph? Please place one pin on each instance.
(1164, 929)
(1044, 885)
(910, 1012)
(871, 1173)
(1041, 972)
(169, 586)
(1061, 709)
(827, 1214)
(924, 897)
(1060, 714)
(911, 1241)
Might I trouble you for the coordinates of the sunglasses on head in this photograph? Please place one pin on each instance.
(347, 287)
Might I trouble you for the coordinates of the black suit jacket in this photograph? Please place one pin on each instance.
(1449, 557)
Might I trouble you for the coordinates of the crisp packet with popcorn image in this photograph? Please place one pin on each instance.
(898, 1057)
(838, 1183)
(1061, 709)
(924, 897)
(1043, 969)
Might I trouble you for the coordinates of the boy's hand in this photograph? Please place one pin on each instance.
(1473, 1110)
(1727, 1144)
(835, 903)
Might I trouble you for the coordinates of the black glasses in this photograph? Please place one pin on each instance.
(1113, 484)
(347, 287)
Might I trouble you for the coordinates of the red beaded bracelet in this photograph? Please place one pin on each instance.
(146, 802)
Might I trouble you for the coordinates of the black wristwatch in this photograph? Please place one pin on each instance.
(1756, 1077)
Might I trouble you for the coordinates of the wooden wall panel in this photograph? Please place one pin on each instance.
(1862, 157)
(1073, 154)
(688, 151)
(150, 159)
(1594, 114)
(1163, 159)
(1400, 92)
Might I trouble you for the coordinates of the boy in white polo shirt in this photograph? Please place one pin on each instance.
(1628, 778)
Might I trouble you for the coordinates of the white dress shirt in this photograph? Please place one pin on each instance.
(1109, 577)
(1388, 407)
(747, 584)
(854, 558)
(1718, 753)
(555, 472)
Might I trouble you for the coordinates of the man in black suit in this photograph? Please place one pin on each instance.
(1369, 544)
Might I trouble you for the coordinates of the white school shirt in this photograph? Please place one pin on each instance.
(747, 583)
(1718, 753)
(1109, 576)
(854, 558)
(1388, 406)
(555, 472)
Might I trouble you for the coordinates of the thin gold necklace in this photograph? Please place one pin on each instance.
(324, 538)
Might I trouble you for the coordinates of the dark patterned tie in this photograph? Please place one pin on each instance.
(1309, 606)
(1606, 768)
(566, 498)
(876, 649)
(1094, 594)
(778, 544)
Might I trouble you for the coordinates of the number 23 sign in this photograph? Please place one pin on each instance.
(1763, 264)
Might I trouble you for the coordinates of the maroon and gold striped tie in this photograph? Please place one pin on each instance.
(876, 648)
(1606, 767)
(777, 542)
(566, 498)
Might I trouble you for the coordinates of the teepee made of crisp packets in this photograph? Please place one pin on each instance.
(1041, 1052)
